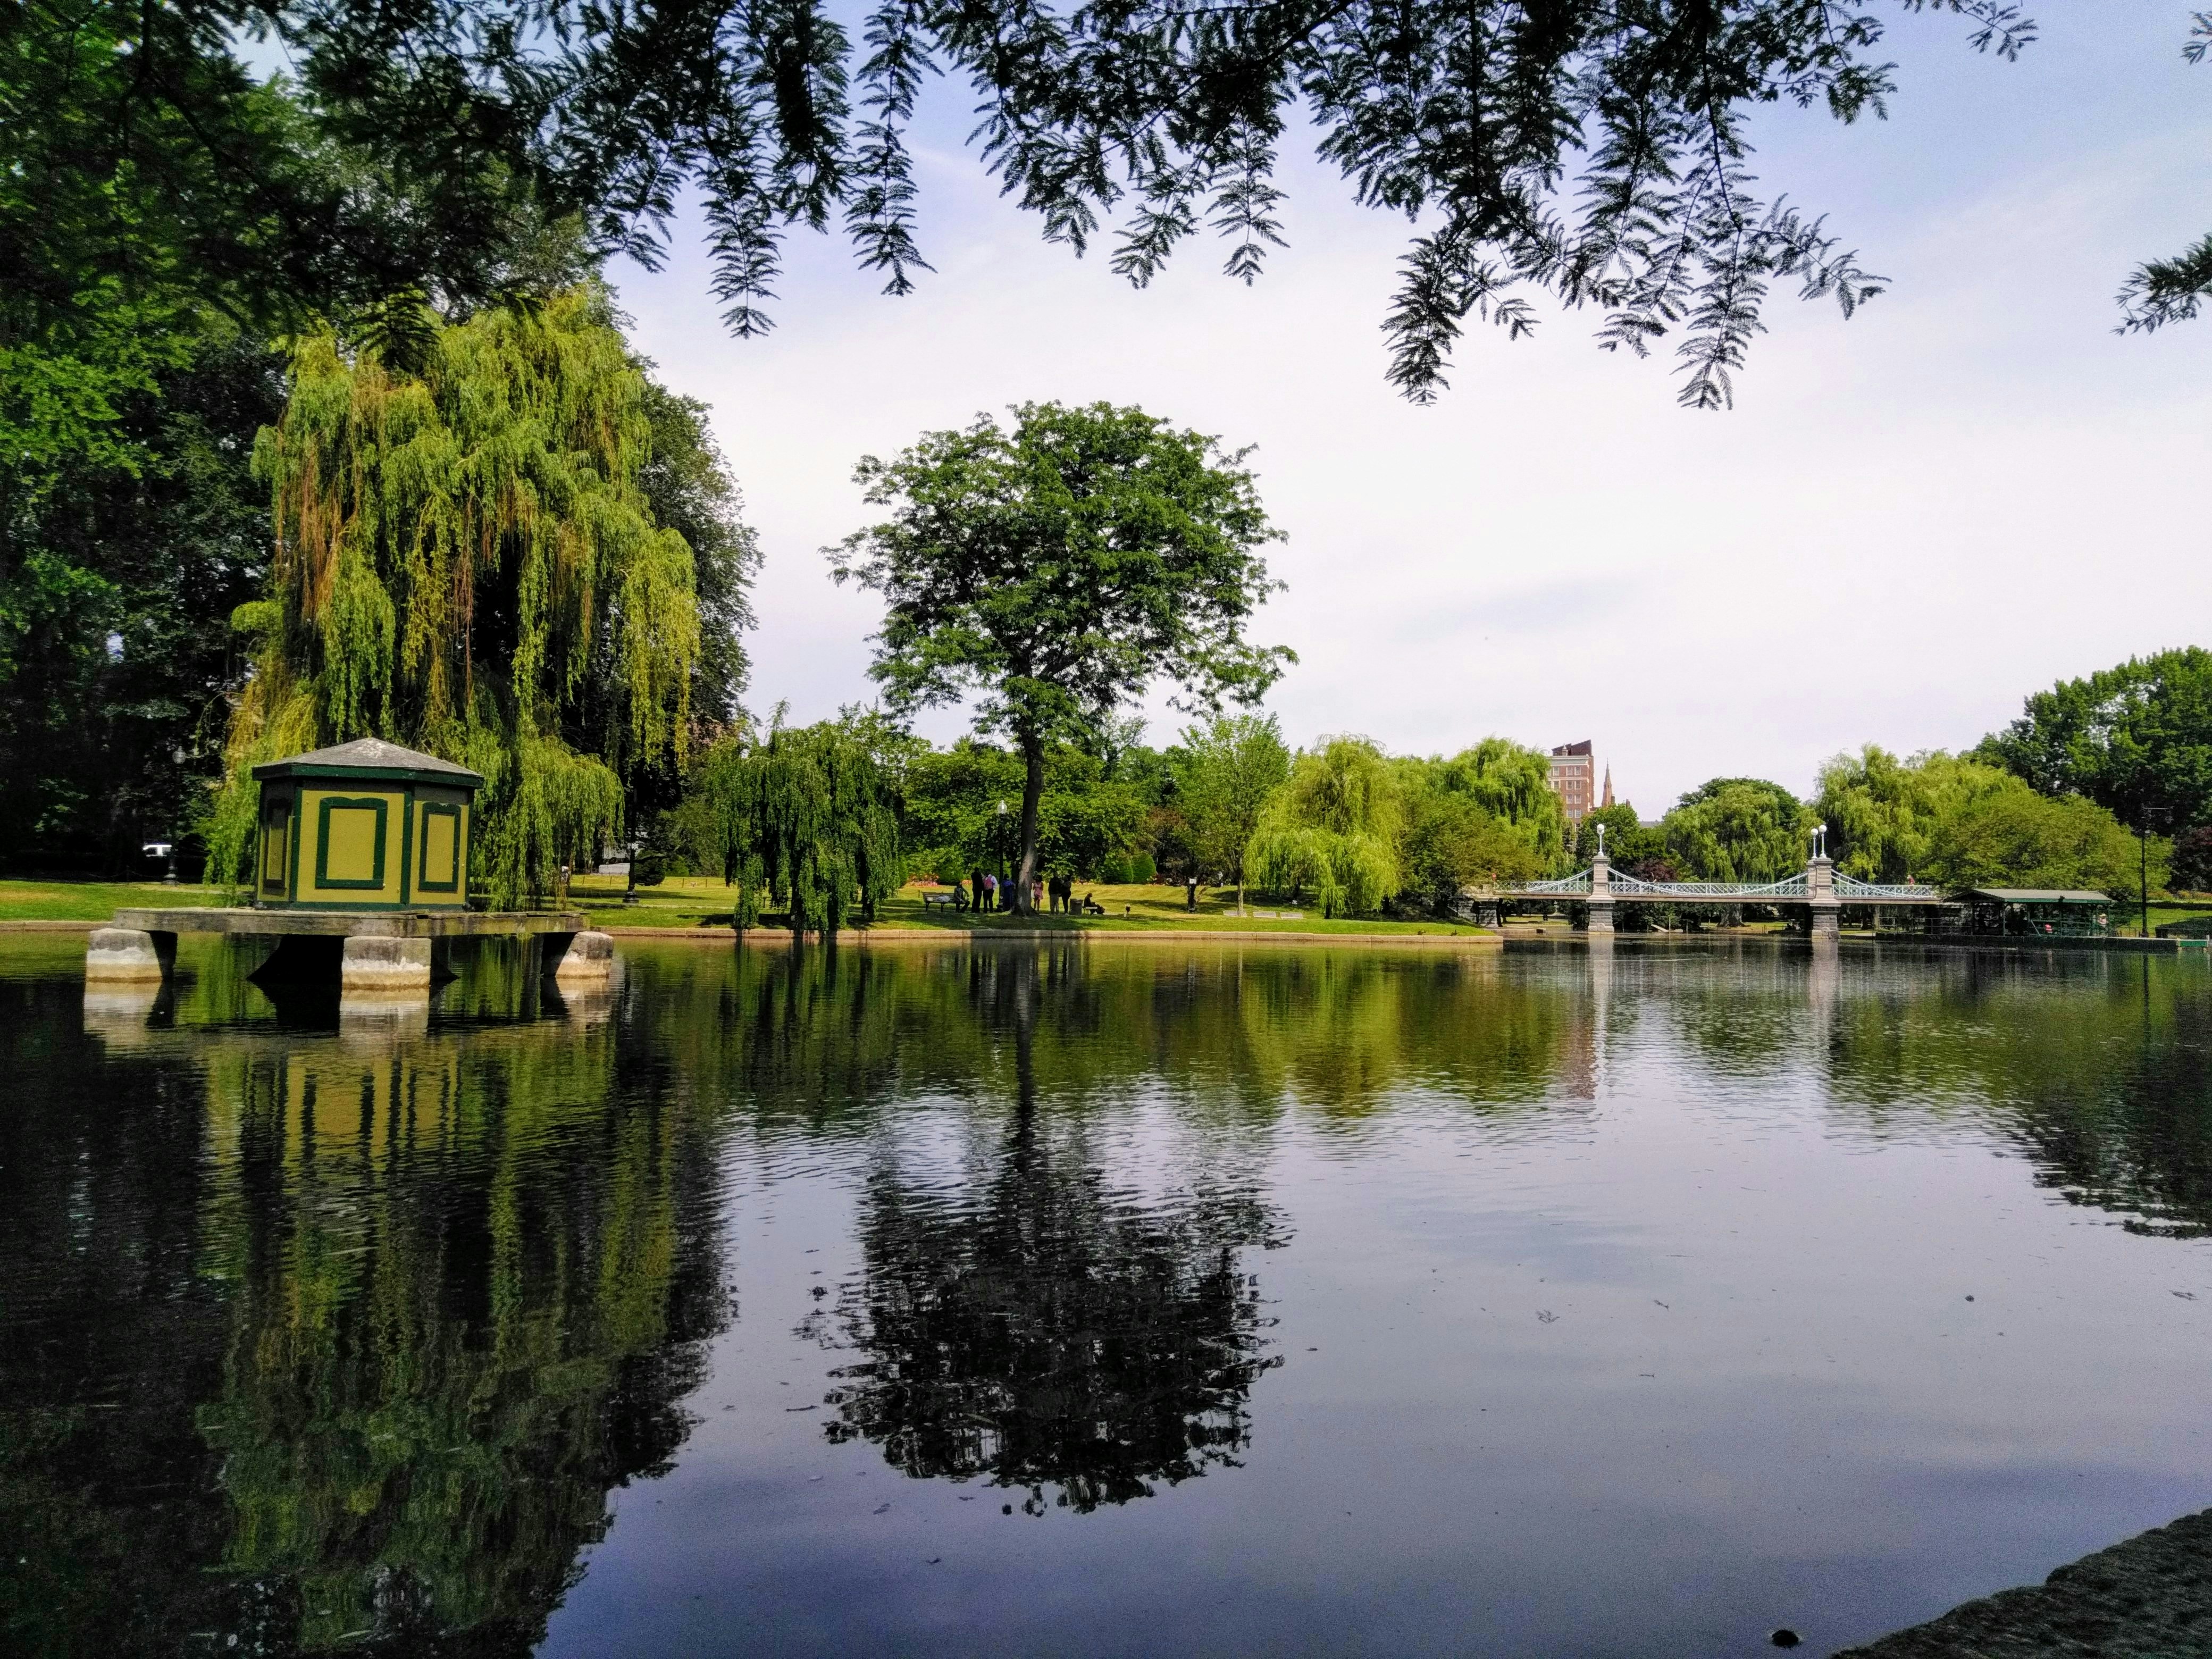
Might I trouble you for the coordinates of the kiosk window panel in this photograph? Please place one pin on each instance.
(439, 868)
(349, 842)
(276, 847)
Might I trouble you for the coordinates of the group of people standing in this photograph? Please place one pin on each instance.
(984, 890)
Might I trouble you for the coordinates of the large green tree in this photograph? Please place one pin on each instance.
(465, 562)
(1059, 567)
(1334, 826)
(1225, 771)
(118, 576)
(1511, 783)
(1883, 813)
(1960, 822)
(1738, 829)
(164, 214)
(958, 813)
(810, 819)
(2009, 835)
(2136, 739)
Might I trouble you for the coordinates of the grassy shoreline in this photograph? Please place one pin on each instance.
(687, 903)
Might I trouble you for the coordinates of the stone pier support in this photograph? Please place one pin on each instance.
(588, 957)
(1827, 910)
(124, 955)
(1600, 899)
(380, 965)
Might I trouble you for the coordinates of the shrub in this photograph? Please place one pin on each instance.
(2191, 869)
(1141, 868)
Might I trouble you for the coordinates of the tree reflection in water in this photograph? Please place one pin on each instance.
(337, 1341)
(331, 1343)
(1039, 1328)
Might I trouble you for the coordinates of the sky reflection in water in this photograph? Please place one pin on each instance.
(1106, 1300)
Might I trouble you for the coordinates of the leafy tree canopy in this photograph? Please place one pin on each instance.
(954, 826)
(1487, 814)
(2191, 866)
(1882, 812)
(810, 817)
(1512, 783)
(2136, 739)
(117, 584)
(1738, 829)
(146, 173)
(1626, 840)
(1601, 155)
(1451, 843)
(164, 216)
(687, 489)
(2009, 835)
(1057, 570)
(465, 563)
(1334, 826)
(1957, 821)
(1225, 771)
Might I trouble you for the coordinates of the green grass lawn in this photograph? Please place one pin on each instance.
(94, 901)
(694, 901)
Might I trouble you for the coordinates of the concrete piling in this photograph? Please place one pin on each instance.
(126, 955)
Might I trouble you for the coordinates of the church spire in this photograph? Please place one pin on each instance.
(1608, 801)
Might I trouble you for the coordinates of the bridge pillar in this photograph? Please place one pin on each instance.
(1825, 909)
(1600, 896)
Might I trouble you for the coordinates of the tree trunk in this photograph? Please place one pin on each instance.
(1032, 793)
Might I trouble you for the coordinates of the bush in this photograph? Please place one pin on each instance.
(1141, 868)
(2191, 868)
(650, 869)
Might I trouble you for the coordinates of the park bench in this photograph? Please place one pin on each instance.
(941, 901)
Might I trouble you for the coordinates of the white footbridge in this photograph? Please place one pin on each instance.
(1820, 887)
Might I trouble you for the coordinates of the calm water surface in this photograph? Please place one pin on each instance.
(1116, 1300)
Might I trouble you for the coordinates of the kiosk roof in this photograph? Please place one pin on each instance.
(371, 757)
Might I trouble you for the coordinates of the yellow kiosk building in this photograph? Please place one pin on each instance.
(364, 826)
(361, 870)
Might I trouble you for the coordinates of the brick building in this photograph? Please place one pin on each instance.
(1574, 779)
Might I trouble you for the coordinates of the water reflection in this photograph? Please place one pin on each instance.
(334, 1342)
(2098, 1067)
(1024, 1323)
(325, 1332)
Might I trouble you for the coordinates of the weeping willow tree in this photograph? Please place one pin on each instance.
(464, 563)
(1333, 827)
(810, 819)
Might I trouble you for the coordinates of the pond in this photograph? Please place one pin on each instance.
(1095, 1300)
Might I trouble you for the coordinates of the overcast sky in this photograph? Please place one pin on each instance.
(1909, 521)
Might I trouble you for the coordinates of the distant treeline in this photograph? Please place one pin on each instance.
(2056, 799)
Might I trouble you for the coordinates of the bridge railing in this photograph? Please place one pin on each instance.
(1791, 890)
(1852, 890)
(1732, 891)
(1575, 886)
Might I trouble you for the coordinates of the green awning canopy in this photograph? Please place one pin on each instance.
(2039, 895)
